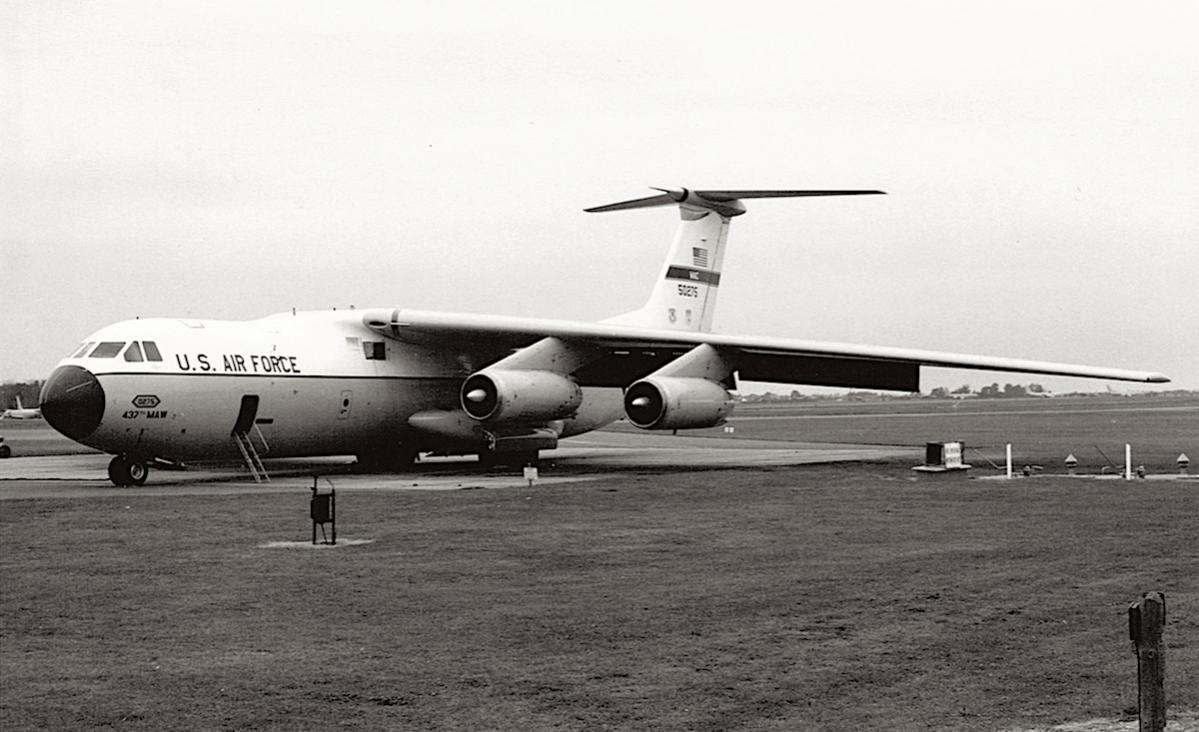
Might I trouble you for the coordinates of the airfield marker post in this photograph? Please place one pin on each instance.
(1146, 619)
(1127, 461)
(1009, 461)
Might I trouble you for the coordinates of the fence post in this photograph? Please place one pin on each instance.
(1146, 619)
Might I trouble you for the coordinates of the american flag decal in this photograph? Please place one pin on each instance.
(699, 257)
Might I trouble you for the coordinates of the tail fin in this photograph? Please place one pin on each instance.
(684, 297)
(19, 407)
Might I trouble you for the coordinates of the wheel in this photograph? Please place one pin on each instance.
(5, 451)
(394, 460)
(138, 472)
(126, 471)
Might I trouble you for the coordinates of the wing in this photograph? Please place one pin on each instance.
(623, 354)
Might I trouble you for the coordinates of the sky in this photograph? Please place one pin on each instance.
(231, 160)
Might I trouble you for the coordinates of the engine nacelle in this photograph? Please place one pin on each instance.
(511, 396)
(675, 402)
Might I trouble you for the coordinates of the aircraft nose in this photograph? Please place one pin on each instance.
(73, 401)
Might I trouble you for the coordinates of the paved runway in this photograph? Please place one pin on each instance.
(607, 453)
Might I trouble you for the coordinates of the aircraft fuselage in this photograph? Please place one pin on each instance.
(304, 384)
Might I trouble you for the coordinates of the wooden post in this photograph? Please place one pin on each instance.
(1146, 619)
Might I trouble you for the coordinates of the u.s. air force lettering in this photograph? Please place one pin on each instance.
(236, 363)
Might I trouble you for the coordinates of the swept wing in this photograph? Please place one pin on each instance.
(628, 352)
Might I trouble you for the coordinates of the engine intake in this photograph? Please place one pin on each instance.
(513, 396)
(669, 403)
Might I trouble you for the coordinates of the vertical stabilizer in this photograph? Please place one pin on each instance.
(684, 295)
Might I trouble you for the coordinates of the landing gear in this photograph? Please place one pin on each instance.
(395, 460)
(125, 471)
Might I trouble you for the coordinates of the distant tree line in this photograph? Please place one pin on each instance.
(993, 391)
(29, 392)
(989, 392)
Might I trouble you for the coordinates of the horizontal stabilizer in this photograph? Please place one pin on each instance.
(733, 195)
(726, 203)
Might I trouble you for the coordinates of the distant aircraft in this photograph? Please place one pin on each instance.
(389, 384)
(21, 412)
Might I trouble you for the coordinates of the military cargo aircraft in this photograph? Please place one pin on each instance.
(389, 384)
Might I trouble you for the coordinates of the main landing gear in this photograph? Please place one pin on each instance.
(125, 471)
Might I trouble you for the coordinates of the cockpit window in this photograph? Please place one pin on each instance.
(152, 353)
(133, 353)
(108, 349)
(83, 348)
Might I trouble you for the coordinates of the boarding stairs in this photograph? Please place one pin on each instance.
(249, 454)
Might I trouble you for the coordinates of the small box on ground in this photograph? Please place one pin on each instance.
(942, 457)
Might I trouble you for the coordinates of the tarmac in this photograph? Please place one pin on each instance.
(596, 455)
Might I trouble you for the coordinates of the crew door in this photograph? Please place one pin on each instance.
(245, 417)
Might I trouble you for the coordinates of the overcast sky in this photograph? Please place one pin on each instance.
(231, 160)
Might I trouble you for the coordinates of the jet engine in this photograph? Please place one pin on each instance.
(672, 402)
(512, 396)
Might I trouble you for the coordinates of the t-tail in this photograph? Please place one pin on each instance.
(684, 295)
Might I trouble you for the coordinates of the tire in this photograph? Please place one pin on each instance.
(125, 471)
(397, 460)
(138, 472)
(5, 451)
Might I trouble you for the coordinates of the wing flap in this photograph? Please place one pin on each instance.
(851, 373)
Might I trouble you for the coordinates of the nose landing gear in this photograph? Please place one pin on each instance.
(124, 471)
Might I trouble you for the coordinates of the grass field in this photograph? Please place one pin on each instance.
(820, 598)
(837, 597)
(1042, 431)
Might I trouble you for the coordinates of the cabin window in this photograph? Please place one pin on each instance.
(108, 349)
(152, 353)
(374, 350)
(133, 353)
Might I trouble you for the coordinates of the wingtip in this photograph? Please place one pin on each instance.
(1158, 379)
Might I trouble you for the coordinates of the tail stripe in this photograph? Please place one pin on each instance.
(688, 274)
